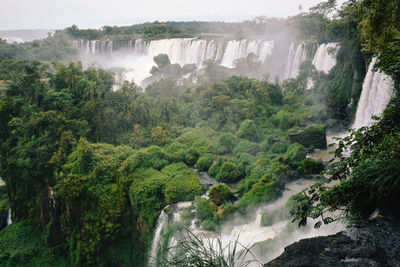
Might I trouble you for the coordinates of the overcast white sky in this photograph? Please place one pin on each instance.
(55, 14)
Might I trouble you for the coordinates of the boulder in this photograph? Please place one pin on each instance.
(314, 135)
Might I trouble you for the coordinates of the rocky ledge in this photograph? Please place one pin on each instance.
(377, 243)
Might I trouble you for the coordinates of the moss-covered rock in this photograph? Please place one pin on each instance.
(313, 135)
(220, 194)
(266, 219)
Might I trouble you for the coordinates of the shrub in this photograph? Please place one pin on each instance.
(266, 189)
(296, 152)
(204, 162)
(279, 148)
(221, 150)
(191, 156)
(216, 167)
(187, 215)
(248, 130)
(265, 145)
(252, 178)
(175, 168)
(247, 147)
(281, 170)
(284, 120)
(227, 210)
(203, 209)
(229, 172)
(178, 156)
(220, 194)
(182, 185)
(228, 141)
(174, 147)
(209, 225)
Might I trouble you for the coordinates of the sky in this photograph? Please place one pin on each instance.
(58, 14)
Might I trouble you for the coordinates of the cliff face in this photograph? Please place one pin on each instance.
(377, 243)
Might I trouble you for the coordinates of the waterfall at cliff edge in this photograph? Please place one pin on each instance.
(296, 56)
(9, 221)
(325, 57)
(136, 56)
(161, 228)
(376, 93)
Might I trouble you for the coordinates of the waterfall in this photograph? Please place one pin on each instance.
(9, 220)
(136, 56)
(376, 93)
(241, 49)
(161, 228)
(325, 57)
(295, 57)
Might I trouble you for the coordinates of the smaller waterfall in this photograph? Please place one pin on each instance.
(295, 57)
(240, 49)
(234, 50)
(325, 57)
(161, 228)
(9, 220)
(376, 93)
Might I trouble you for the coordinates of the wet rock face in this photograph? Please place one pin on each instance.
(335, 250)
(375, 244)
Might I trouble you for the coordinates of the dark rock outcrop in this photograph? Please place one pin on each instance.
(313, 135)
(375, 244)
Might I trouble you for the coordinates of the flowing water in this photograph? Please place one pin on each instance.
(9, 221)
(325, 57)
(249, 231)
(297, 55)
(376, 93)
(136, 56)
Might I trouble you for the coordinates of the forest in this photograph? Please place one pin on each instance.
(88, 168)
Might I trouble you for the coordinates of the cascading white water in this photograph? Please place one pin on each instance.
(137, 56)
(9, 220)
(163, 219)
(296, 56)
(161, 228)
(376, 93)
(241, 49)
(325, 57)
(249, 231)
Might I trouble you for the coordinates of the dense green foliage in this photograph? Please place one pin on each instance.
(93, 195)
(56, 47)
(88, 168)
(367, 178)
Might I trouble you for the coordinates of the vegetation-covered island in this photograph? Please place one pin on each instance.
(104, 166)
